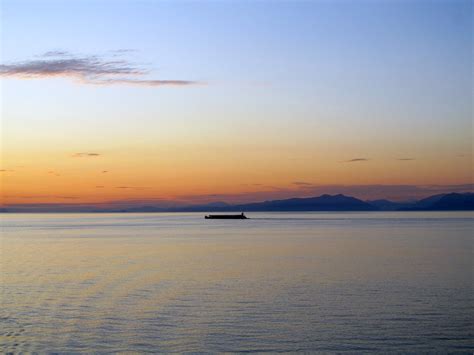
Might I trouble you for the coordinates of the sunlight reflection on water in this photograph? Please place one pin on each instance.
(277, 282)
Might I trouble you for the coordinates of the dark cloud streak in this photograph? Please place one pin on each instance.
(84, 155)
(131, 187)
(356, 160)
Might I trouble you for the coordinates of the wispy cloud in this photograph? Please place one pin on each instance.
(302, 183)
(356, 160)
(131, 187)
(55, 54)
(85, 155)
(6, 171)
(123, 50)
(137, 82)
(93, 69)
(405, 159)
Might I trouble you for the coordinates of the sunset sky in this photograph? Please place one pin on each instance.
(198, 101)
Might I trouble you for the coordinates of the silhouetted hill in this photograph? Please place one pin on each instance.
(387, 205)
(446, 202)
(321, 203)
(428, 201)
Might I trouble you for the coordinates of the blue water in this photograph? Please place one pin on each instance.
(333, 282)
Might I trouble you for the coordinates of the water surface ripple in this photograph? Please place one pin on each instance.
(279, 282)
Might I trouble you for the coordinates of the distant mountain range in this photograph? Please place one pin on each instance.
(443, 202)
(321, 203)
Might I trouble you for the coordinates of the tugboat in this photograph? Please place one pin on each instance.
(226, 216)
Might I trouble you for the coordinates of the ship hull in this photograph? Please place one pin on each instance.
(226, 216)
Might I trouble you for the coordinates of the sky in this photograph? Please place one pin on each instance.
(175, 102)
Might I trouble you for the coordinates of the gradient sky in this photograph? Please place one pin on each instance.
(239, 100)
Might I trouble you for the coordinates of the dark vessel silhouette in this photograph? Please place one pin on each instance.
(226, 216)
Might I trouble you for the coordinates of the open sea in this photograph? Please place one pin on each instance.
(278, 282)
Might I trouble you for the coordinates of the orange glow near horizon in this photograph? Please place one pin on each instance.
(193, 172)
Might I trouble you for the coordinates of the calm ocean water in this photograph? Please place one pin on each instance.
(334, 282)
